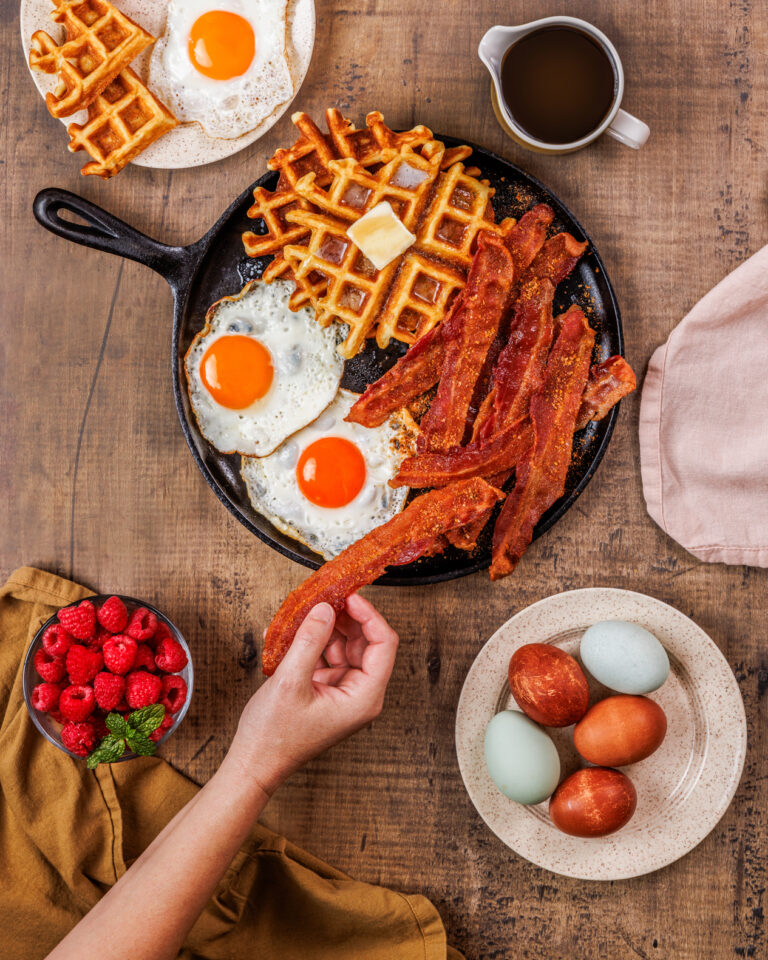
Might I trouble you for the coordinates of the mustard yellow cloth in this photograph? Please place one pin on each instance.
(67, 834)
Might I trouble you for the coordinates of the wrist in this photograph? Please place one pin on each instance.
(253, 764)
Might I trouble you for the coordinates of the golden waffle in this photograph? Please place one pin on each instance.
(122, 121)
(100, 42)
(313, 153)
(445, 209)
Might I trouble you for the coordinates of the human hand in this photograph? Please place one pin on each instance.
(330, 683)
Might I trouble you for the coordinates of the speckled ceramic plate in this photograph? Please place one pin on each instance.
(186, 145)
(683, 789)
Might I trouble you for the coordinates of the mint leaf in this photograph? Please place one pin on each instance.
(146, 719)
(141, 745)
(110, 749)
(117, 725)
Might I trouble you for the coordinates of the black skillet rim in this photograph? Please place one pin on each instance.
(389, 579)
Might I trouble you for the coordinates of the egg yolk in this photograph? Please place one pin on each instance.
(236, 371)
(221, 44)
(331, 472)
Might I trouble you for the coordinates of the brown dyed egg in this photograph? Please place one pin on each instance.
(593, 802)
(620, 730)
(548, 685)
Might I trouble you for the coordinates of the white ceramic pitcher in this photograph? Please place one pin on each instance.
(619, 124)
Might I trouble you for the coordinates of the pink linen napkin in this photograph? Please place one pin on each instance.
(704, 423)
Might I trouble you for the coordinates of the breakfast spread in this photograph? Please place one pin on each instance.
(110, 673)
(552, 690)
(411, 371)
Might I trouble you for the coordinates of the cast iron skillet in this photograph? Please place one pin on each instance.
(216, 265)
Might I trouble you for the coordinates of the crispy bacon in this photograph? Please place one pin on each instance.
(413, 374)
(608, 382)
(412, 533)
(419, 369)
(558, 257)
(483, 458)
(467, 335)
(520, 368)
(542, 471)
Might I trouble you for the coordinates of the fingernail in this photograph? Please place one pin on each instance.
(323, 613)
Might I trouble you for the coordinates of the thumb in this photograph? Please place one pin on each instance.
(309, 642)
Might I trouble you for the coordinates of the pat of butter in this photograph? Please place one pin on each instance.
(380, 235)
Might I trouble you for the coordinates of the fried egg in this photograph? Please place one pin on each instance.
(259, 372)
(223, 63)
(327, 485)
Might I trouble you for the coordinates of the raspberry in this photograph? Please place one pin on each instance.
(120, 653)
(109, 689)
(78, 738)
(45, 697)
(56, 640)
(80, 621)
(145, 658)
(102, 635)
(174, 693)
(56, 715)
(157, 734)
(50, 668)
(142, 624)
(122, 707)
(76, 703)
(170, 656)
(83, 663)
(112, 615)
(141, 689)
(163, 632)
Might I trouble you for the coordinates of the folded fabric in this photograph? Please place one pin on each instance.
(67, 834)
(703, 436)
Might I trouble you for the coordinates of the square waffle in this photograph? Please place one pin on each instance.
(312, 153)
(445, 209)
(122, 121)
(100, 42)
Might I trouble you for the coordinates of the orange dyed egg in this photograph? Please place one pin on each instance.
(548, 685)
(593, 802)
(620, 730)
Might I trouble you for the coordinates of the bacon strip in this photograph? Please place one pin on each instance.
(557, 258)
(520, 368)
(482, 458)
(412, 533)
(414, 373)
(608, 383)
(419, 369)
(542, 472)
(467, 335)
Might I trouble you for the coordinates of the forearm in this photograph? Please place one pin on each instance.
(154, 905)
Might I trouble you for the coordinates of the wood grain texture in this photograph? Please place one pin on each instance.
(97, 483)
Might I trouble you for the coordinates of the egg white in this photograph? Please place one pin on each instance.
(307, 369)
(226, 109)
(274, 490)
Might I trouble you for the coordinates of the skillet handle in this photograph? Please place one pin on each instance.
(102, 231)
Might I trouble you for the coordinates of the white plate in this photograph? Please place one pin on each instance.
(186, 145)
(683, 789)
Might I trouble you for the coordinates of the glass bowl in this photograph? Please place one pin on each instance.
(50, 728)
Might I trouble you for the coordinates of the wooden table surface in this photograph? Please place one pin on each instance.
(97, 483)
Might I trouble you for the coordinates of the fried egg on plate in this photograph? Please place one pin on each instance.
(259, 372)
(327, 485)
(223, 64)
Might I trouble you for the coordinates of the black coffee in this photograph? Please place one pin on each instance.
(558, 84)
